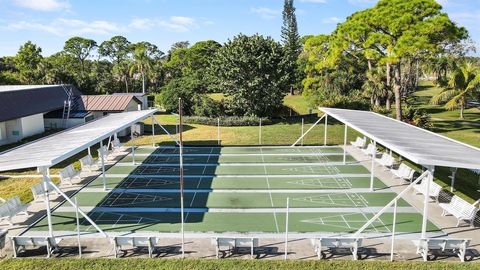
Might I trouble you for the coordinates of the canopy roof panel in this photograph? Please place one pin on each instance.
(53, 149)
(418, 145)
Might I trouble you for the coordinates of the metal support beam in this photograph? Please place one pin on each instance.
(325, 130)
(453, 176)
(46, 179)
(76, 207)
(394, 225)
(372, 169)
(218, 131)
(89, 151)
(153, 131)
(308, 130)
(379, 213)
(303, 124)
(286, 227)
(102, 160)
(133, 146)
(345, 145)
(430, 171)
(166, 131)
(260, 132)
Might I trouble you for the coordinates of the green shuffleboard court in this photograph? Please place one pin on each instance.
(237, 189)
(239, 183)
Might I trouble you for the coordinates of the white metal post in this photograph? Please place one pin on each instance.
(429, 180)
(102, 159)
(372, 170)
(393, 229)
(78, 228)
(303, 122)
(46, 179)
(89, 151)
(453, 176)
(180, 129)
(133, 147)
(286, 227)
(153, 131)
(218, 131)
(345, 145)
(325, 130)
(260, 132)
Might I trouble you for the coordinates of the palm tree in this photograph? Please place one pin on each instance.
(465, 80)
(142, 62)
(375, 86)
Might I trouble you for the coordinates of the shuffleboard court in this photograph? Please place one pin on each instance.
(250, 199)
(343, 222)
(216, 159)
(244, 183)
(241, 150)
(258, 169)
(237, 189)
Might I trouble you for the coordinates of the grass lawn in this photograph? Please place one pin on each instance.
(230, 264)
(298, 104)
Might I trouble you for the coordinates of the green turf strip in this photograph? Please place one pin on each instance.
(236, 199)
(239, 183)
(238, 159)
(240, 150)
(241, 170)
(237, 222)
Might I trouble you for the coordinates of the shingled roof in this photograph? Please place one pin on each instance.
(18, 101)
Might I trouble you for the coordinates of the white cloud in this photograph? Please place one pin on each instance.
(43, 5)
(182, 20)
(172, 24)
(67, 27)
(314, 1)
(362, 2)
(266, 13)
(331, 20)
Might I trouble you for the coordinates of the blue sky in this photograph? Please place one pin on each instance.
(48, 23)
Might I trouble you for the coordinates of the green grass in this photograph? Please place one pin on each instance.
(198, 264)
(216, 96)
(298, 104)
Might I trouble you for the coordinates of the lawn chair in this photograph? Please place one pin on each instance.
(333, 244)
(404, 172)
(434, 190)
(117, 146)
(370, 150)
(120, 242)
(442, 246)
(234, 245)
(20, 243)
(386, 160)
(5, 214)
(460, 209)
(89, 164)
(16, 207)
(68, 174)
(359, 143)
(103, 151)
(38, 192)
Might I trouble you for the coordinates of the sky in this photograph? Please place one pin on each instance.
(48, 23)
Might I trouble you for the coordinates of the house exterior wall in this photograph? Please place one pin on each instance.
(17, 129)
(32, 125)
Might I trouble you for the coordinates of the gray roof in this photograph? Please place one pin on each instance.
(18, 101)
(51, 150)
(418, 145)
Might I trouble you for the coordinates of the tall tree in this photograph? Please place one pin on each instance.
(81, 49)
(117, 49)
(27, 59)
(251, 72)
(464, 83)
(144, 54)
(291, 42)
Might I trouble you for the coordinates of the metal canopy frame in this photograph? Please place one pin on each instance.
(51, 150)
(416, 144)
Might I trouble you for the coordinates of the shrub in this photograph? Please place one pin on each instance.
(207, 107)
(230, 121)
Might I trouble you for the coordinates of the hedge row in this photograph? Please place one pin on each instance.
(231, 121)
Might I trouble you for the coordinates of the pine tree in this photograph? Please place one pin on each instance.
(291, 42)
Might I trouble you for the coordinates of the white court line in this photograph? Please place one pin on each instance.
(194, 195)
(270, 193)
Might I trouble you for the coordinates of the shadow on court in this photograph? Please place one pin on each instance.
(146, 199)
